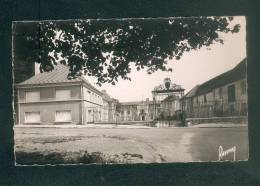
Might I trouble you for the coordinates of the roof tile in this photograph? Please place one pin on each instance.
(57, 75)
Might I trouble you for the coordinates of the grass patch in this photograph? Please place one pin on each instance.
(94, 157)
(25, 158)
(84, 157)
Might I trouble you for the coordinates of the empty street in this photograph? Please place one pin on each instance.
(132, 145)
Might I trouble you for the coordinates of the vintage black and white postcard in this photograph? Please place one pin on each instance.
(123, 91)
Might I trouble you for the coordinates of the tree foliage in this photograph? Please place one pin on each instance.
(105, 48)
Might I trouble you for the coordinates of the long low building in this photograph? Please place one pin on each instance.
(219, 97)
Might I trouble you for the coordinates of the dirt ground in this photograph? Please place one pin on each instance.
(151, 145)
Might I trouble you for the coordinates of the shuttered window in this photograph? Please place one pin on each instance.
(32, 96)
(205, 99)
(220, 93)
(231, 93)
(32, 117)
(63, 116)
(63, 94)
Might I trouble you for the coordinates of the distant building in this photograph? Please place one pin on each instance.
(110, 113)
(166, 98)
(136, 111)
(222, 96)
(166, 102)
(170, 105)
(51, 98)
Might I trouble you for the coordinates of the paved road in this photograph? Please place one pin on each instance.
(143, 145)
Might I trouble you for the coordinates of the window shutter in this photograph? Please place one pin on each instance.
(32, 96)
(63, 94)
(32, 117)
(63, 116)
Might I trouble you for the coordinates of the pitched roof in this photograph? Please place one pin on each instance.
(58, 75)
(132, 103)
(192, 92)
(235, 74)
(136, 102)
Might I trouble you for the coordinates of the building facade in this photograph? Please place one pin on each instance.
(165, 103)
(166, 99)
(50, 98)
(222, 96)
(110, 110)
(136, 111)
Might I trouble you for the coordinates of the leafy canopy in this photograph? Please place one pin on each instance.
(105, 48)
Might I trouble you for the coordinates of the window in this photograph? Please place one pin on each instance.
(63, 94)
(86, 93)
(205, 99)
(220, 93)
(231, 93)
(243, 87)
(63, 116)
(176, 105)
(32, 96)
(32, 117)
(92, 97)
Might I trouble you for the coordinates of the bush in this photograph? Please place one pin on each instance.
(31, 158)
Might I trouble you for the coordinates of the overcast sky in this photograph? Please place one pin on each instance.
(194, 68)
